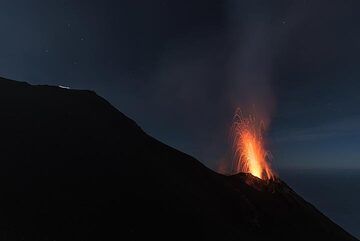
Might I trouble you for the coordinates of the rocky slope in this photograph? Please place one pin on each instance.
(72, 167)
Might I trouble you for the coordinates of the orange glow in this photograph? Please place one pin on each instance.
(250, 154)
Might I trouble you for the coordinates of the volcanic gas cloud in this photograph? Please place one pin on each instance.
(250, 153)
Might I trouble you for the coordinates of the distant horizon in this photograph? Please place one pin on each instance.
(332, 191)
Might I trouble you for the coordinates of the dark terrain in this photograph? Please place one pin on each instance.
(72, 167)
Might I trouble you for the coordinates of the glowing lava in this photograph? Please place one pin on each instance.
(250, 154)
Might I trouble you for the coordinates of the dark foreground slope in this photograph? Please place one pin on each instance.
(72, 167)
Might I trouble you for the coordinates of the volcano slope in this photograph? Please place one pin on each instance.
(72, 167)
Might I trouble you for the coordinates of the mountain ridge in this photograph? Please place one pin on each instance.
(75, 168)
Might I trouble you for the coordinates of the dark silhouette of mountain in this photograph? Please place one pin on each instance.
(72, 167)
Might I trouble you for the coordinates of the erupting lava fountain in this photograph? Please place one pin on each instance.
(250, 153)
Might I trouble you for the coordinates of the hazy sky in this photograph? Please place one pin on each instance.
(180, 68)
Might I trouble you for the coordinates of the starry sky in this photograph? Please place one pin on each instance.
(181, 68)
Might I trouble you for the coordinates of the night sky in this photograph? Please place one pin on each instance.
(180, 68)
